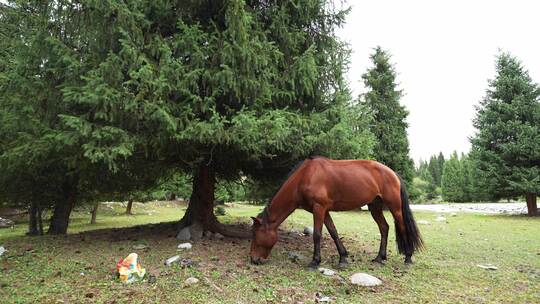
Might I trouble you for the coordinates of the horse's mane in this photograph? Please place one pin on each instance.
(265, 213)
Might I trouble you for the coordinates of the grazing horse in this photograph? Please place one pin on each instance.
(320, 185)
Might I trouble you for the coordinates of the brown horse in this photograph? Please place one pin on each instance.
(320, 185)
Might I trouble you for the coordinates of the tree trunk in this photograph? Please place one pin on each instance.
(94, 213)
(129, 207)
(40, 220)
(62, 209)
(532, 209)
(201, 205)
(33, 228)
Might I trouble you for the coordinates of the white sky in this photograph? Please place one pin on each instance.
(444, 53)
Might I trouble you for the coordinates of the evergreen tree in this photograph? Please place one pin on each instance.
(453, 181)
(389, 126)
(216, 89)
(506, 146)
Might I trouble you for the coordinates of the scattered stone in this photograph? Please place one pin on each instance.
(308, 230)
(152, 279)
(326, 271)
(6, 223)
(196, 231)
(187, 263)
(2, 250)
(295, 257)
(140, 247)
(320, 298)
(364, 279)
(184, 234)
(423, 222)
(191, 281)
(453, 214)
(185, 246)
(172, 260)
(487, 266)
(440, 218)
(218, 236)
(208, 234)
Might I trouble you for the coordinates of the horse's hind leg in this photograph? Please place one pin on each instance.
(334, 234)
(376, 209)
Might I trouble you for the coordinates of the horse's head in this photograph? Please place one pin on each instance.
(264, 238)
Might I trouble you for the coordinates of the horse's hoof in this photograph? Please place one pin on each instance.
(408, 261)
(313, 266)
(378, 260)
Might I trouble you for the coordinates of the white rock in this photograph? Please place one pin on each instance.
(2, 250)
(326, 271)
(453, 214)
(308, 230)
(172, 260)
(364, 279)
(140, 247)
(440, 218)
(185, 246)
(320, 298)
(191, 281)
(423, 222)
(487, 266)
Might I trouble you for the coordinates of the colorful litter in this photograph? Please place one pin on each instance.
(129, 270)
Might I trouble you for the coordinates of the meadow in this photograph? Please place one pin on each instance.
(79, 267)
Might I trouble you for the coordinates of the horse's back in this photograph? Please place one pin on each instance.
(346, 184)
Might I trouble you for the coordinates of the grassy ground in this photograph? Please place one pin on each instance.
(79, 268)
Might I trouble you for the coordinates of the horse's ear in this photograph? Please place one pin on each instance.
(256, 221)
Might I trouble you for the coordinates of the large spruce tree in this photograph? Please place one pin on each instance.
(218, 89)
(506, 146)
(390, 125)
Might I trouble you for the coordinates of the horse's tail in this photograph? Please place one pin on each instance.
(412, 241)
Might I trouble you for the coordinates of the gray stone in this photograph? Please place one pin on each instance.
(295, 257)
(218, 236)
(139, 247)
(196, 231)
(208, 234)
(6, 223)
(364, 279)
(184, 234)
(191, 281)
(326, 271)
(308, 230)
(423, 222)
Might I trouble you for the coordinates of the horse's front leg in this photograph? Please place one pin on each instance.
(318, 218)
(334, 234)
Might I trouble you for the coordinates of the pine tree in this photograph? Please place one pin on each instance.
(453, 180)
(215, 89)
(506, 146)
(390, 126)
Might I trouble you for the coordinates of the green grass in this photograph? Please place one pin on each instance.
(48, 269)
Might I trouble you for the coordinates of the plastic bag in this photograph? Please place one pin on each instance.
(129, 270)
